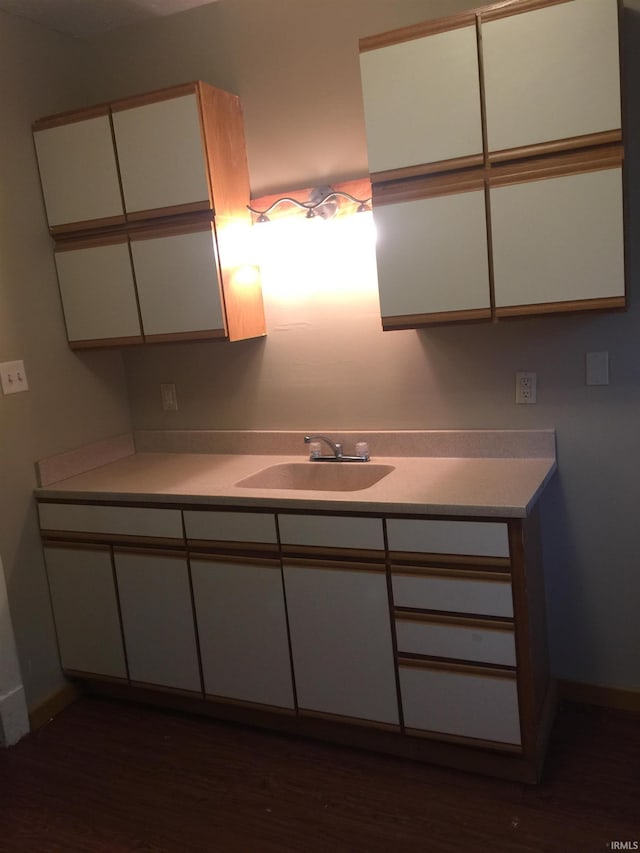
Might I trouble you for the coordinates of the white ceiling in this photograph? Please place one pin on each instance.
(82, 18)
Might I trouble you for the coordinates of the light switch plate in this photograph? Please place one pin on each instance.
(597, 368)
(13, 377)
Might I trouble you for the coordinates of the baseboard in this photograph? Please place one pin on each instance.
(52, 705)
(14, 723)
(592, 694)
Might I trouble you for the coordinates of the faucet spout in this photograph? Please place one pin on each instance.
(336, 449)
(336, 454)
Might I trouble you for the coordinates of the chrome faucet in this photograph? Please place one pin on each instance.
(336, 451)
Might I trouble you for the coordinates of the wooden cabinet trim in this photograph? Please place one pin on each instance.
(413, 321)
(416, 31)
(239, 559)
(334, 565)
(90, 225)
(482, 670)
(453, 573)
(505, 10)
(496, 623)
(174, 210)
(50, 541)
(153, 97)
(351, 721)
(224, 548)
(200, 335)
(465, 741)
(96, 343)
(179, 553)
(433, 168)
(92, 242)
(319, 552)
(574, 143)
(608, 303)
(60, 119)
(410, 562)
(574, 163)
(109, 538)
(428, 186)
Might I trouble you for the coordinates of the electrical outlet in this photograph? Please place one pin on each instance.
(13, 377)
(525, 388)
(169, 398)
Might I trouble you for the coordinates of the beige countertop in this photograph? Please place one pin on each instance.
(504, 486)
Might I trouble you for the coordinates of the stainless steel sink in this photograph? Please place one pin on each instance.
(317, 476)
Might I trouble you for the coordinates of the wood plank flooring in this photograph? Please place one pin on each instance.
(110, 777)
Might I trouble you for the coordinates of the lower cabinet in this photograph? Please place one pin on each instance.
(85, 609)
(242, 627)
(428, 635)
(157, 618)
(341, 639)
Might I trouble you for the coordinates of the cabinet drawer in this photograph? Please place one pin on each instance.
(460, 703)
(489, 595)
(331, 531)
(472, 642)
(117, 520)
(230, 526)
(432, 536)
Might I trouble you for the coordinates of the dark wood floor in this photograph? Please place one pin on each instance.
(106, 777)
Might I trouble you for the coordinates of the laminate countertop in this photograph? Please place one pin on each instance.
(500, 486)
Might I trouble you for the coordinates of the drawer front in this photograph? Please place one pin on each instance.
(331, 531)
(460, 703)
(449, 640)
(481, 597)
(230, 526)
(119, 520)
(465, 538)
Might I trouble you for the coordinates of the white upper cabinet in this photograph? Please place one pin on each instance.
(163, 264)
(422, 100)
(558, 240)
(161, 155)
(551, 73)
(98, 293)
(432, 257)
(78, 169)
(179, 156)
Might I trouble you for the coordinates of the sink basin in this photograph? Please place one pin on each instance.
(318, 476)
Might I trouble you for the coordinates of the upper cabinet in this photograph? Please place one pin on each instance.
(552, 75)
(172, 159)
(495, 152)
(422, 102)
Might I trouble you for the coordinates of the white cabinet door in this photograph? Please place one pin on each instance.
(341, 641)
(460, 703)
(422, 100)
(552, 73)
(98, 292)
(161, 154)
(178, 283)
(85, 609)
(78, 171)
(157, 617)
(559, 239)
(432, 256)
(242, 628)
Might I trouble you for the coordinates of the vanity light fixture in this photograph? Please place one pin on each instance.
(323, 202)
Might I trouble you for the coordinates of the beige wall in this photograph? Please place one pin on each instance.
(72, 399)
(325, 362)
